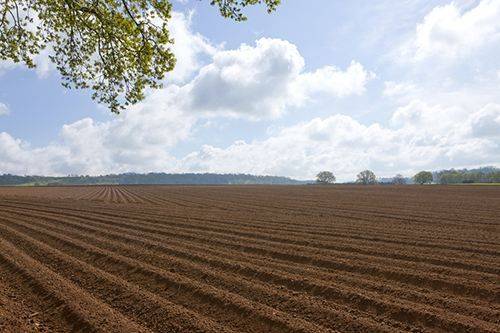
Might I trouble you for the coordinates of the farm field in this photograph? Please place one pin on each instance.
(250, 259)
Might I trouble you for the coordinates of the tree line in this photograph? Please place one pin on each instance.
(149, 178)
(366, 177)
(464, 176)
(452, 176)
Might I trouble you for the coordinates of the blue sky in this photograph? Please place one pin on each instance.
(393, 86)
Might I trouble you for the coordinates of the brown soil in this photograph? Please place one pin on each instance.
(250, 259)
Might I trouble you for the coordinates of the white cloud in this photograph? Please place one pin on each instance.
(433, 126)
(16, 156)
(137, 140)
(420, 117)
(43, 64)
(486, 122)
(346, 146)
(261, 81)
(449, 32)
(4, 110)
(333, 81)
(188, 47)
(420, 137)
(252, 81)
(395, 89)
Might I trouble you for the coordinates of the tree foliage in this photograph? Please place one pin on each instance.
(233, 8)
(480, 175)
(423, 177)
(366, 177)
(149, 178)
(325, 177)
(399, 180)
(116, 48)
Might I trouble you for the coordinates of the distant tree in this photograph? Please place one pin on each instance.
(480, 175)
(423, 177)
(399, 179)
(366, 177)
(325, 177)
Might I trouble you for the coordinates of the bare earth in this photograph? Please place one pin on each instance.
(250, 259)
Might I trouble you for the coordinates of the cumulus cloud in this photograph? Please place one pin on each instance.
(18, 157)
(189, 47)
(263, 80)
(344, 145)
(333, 81)
(137, 140)
(449, 32)
(267, 80)
(418, 116)
(4, 110)
(486, 122)
(420, 136)
(251, 82)
(395, 89)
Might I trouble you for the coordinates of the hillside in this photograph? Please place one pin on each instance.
(150, 178)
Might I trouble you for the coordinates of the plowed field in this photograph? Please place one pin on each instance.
(250, 259)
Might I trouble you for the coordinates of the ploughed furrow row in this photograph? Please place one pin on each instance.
(228, 308)
(302, 205)
(108, 194)
(110, 197)
(78, 192)
(103, 196)
(433, 281)
(396, 312)
(169, 199)
(437, 278)
(298, 208)
(144, 197)
(112, 194)
(320, 239)
(95, 194)
(374, 227)
(465, 213)
(410, 223)
(125, 196)
(132, 300)
(76, 307)
(143, 306)
(115, 195)
(383, 307)
(173, 236)
(132, 197)
(278, 298)
(252, 258)
(322, 242)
